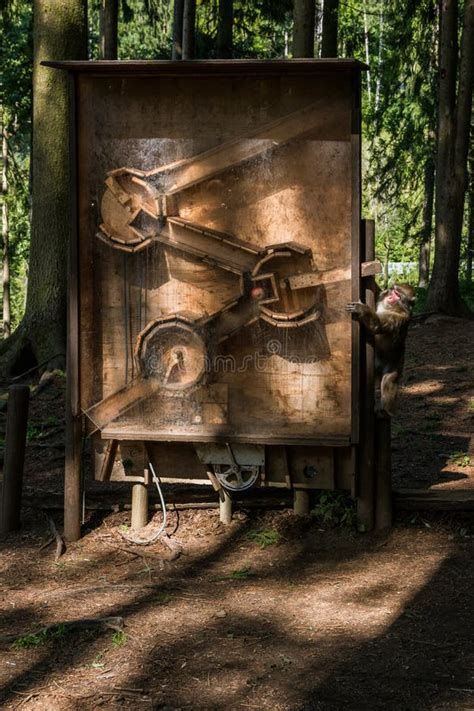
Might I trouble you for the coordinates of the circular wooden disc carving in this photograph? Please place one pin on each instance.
(172, 351)
(278, 301)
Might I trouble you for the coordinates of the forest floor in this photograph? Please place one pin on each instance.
(272, 612)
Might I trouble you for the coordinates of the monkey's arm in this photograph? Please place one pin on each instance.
(365, 315)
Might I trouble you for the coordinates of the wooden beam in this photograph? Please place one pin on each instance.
(15, 440)
(370, 268)
(73, 453)
(366, 469)
(383, 473)
(110, 408)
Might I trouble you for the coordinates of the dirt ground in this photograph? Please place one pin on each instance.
(433, 433)
(272, 612)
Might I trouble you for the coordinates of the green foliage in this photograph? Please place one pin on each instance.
(334, 508)
(37, 639)
(460, 459)
(119, 638)
(240, 574)
(264, 537)
(15, 105)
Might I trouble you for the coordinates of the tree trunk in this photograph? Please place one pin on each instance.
(109, 29)
(425, 237)
(59, 32)
(6, 256)
(224, 28)
(330, 28)
(189, 20)
(178, 11)
(454, 114)
(303, 28)
(470, 222)
(367, 53)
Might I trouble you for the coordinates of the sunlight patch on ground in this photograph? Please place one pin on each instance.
(427, 387)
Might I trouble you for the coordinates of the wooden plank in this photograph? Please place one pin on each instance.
(124, 432)
(212, 66)
(277, 471)
(117, 404)
(356, 250)
(210, 246)
(73, 448)
(366, 474)
(303, 281)
(434, 499)
(108, 461)
(190, 171)
(383, 473)
(370, 268)
(15, 440)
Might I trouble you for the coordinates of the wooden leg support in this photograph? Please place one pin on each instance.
(300, 502)
(15, 439)
(383, 468)
(139, 506)
(225, 508)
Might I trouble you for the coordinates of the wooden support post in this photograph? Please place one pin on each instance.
(139, 506)
(366, 468)
(300, 502)
(15, 440)
(73, 448)
(383, 468)
(225, 508)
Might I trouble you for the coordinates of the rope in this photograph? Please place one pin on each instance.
(155, 536)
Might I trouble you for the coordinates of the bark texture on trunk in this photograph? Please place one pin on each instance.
(5, 253)
(303, 28)
(178, 11)
(470, 223)
(59, 32)
(454, 115)
(189, 21)
(427, 226)
(224, 29)
(330, 28)
(109, 29)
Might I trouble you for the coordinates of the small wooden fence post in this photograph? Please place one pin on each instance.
(15, 440)
(383, 468)
(366, 473)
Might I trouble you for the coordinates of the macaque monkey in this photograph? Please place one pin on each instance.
(389, 324)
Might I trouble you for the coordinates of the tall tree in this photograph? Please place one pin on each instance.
(427, 225)
(109, 29)
(456, 70)
(330, 28)
(303, 28)
(189, 21)
(59, 32)
(5, 241)
(178, 13)
(470, 222)
(224, 29)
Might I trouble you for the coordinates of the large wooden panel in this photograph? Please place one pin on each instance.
(183, 303)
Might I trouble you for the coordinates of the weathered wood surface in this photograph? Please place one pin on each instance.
(277, 386)
(15, 441)
(366, 480)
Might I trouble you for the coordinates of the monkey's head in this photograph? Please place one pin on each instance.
(400, 297)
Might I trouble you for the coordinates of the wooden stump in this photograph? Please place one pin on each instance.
(225, 508)
(301, 502)
(383, 468)
(139, 506)
(15, 440)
